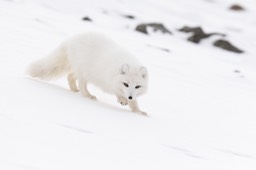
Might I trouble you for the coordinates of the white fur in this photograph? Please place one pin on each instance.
(94, 58)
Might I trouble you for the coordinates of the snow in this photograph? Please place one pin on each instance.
(202, 111)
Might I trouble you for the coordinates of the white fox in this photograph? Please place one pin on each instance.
(95, 58)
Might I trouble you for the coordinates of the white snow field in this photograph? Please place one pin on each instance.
(201, 99)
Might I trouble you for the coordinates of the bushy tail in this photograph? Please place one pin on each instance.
(51, 66)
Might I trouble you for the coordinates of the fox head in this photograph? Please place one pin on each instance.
(133, 81)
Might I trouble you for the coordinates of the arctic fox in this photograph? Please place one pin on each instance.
(96, 59)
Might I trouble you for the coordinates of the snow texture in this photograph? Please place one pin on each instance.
(201, 99)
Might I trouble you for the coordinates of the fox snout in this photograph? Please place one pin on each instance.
(130, 97)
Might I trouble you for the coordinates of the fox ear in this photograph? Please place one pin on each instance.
(143, 72)
(124, 69)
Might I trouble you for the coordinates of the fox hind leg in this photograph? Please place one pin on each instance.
(72, 82)
(83, 88)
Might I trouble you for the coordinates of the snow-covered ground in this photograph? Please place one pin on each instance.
(201, 99)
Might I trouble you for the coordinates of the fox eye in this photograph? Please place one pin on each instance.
(136, 87)
(126, 85)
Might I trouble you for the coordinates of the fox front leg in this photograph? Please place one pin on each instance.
(135, 108)
(123, 101)
(72, 82)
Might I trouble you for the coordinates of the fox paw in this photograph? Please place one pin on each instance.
(92, 97)
(140, 112)
(122, 101)
(74, 90)
(144, 113)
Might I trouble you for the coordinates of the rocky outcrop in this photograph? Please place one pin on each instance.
(156, 27)
(224, 44)
(198, 33)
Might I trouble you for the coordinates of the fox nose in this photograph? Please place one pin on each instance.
(130, 97)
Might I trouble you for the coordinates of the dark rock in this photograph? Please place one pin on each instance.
(156, 27)
(129, 16)
(190, 29)
(142, 28)
(238, 72)
(236, 7)
(87, 19)
(165, 49)
(198, 33)
(226, 46)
